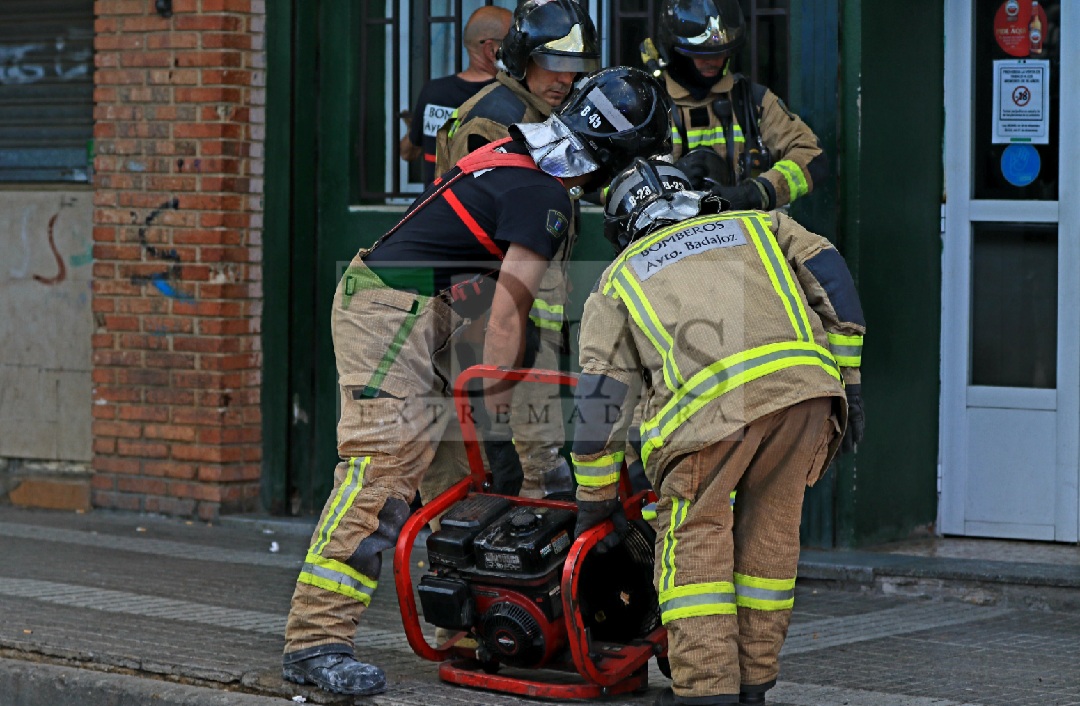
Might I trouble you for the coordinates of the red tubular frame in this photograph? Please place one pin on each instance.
(607, 672)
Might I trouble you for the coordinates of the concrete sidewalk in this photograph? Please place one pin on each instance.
(119, 610)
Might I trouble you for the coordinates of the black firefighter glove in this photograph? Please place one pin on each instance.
(506, 472)
(593, 512)
(704, 168)
(750, 195)
(856, 421)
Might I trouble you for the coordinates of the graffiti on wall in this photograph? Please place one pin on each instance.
(26, 262)
(163, 280)
(67, 58)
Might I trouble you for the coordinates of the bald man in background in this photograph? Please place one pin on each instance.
(439, 98)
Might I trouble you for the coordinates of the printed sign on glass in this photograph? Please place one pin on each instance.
(1021, 101)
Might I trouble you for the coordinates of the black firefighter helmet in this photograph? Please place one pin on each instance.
(558, 34)
(649, 195)
(618, 113)
(700, 28)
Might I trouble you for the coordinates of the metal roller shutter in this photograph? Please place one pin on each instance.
(46, 90)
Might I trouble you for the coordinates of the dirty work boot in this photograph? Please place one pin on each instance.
(667, 697)
(337, 672)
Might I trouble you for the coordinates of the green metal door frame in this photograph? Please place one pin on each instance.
(892, 71)
(292, 483)
(277, 210)
(880, 119)
(814, 96)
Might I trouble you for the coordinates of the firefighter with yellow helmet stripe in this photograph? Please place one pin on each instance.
(738, 135)
(746, 331)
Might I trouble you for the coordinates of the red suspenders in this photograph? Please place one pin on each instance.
(484, 158)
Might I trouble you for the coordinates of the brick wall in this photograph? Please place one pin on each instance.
(177, 297)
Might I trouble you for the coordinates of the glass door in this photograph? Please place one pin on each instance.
(1011, 291)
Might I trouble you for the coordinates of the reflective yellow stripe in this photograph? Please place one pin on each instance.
(846, 349)
(644, 315)
(343, 500)
(541, 305)
(679, 508)
(648, 511)
(708, 137)
(547, 316)
(697, 599)
(780, 275)
(598, 472)
(726, 375)
(337, 577)
(732, 498)
(764, 594)
(793, 175)
(454, 124)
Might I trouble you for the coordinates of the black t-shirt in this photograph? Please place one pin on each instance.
(438, 100)
(434, 248)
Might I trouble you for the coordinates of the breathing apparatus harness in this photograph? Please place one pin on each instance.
(743, 103)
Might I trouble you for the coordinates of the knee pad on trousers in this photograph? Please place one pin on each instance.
(367, 559)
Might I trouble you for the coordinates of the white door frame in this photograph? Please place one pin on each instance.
(960, 211)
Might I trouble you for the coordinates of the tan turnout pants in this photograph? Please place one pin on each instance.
(392, 356)
(726, 579)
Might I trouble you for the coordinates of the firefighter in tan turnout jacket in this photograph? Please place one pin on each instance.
(549, 46)
(748, 331)
(738, 135)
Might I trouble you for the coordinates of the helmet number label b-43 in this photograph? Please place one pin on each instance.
(594, 119)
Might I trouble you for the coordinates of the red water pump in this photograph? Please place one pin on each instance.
(529, 606)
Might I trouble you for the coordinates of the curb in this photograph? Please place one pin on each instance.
(38, 684)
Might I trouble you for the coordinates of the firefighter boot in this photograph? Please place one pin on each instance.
(755, 695)
(338, 672)
(667, 697)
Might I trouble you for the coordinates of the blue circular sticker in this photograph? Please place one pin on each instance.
(1020, 164)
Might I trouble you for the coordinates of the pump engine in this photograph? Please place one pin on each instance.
(495, 573)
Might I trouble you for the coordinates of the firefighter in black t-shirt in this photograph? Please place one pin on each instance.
(489, 226)
(482, 36)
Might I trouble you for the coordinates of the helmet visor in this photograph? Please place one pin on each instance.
(556, 149)
(671, 208)
(716, 38)
(563, 63)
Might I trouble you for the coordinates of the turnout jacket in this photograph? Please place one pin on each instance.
(487, 117)
(728, 318)
(798, 159)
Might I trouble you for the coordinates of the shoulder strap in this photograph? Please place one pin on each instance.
(748, 109)
(678, 123)
(484, 158)
(487, 158)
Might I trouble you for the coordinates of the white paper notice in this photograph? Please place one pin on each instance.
(1022, 101)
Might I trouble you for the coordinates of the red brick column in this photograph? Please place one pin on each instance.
(179, 129)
